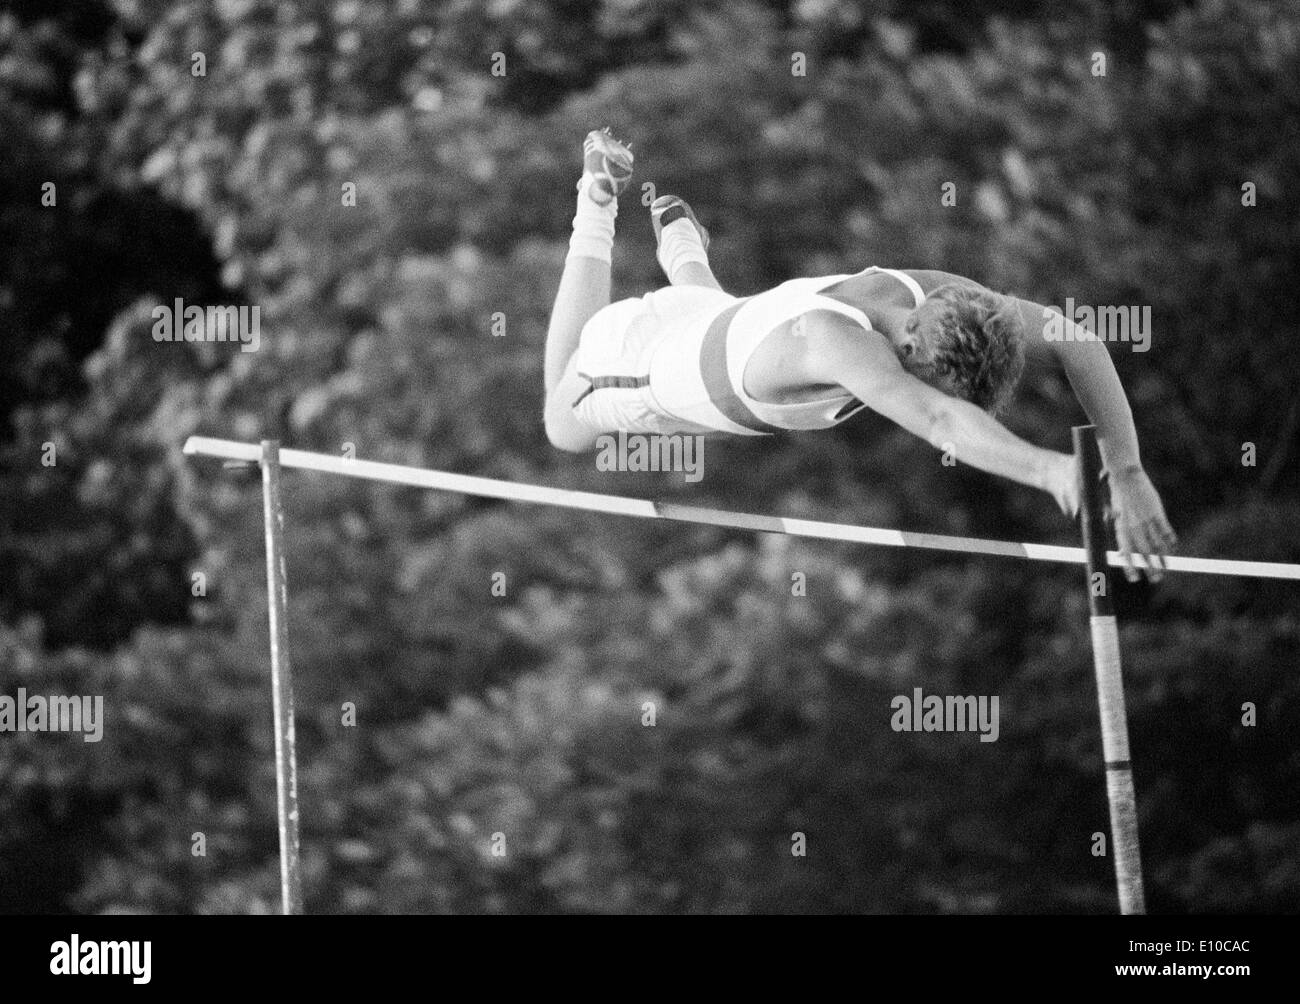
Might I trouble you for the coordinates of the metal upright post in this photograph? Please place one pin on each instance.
(1110, 681)
(286, 758)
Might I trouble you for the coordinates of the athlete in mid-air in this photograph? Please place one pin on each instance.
(937, 353)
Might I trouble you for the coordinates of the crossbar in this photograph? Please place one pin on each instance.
(618, 505)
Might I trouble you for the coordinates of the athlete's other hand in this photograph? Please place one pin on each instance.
(1140, 523)
(1063, 483)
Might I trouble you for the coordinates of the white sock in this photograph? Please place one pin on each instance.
(593, 227)
(680, 244)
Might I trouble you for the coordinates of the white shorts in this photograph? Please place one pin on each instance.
(637, 355)
(674, 361)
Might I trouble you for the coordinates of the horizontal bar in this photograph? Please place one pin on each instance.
(618, 505)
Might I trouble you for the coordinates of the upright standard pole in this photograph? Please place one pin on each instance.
(286, 757)
(1110, 681)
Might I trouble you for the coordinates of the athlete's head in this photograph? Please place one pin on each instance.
(967, 342)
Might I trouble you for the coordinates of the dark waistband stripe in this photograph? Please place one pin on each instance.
(717, 381)
(625, 382)
(610, 382)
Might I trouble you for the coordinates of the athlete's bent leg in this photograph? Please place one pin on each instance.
(584, 289)
(585, 282)
(564, 430)
(695, 273)
(683, 243)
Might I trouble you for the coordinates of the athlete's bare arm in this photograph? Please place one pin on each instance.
(1140, 523)
(1088, 367)
(837, 353)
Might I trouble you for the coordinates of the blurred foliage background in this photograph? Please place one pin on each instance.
(522, 714)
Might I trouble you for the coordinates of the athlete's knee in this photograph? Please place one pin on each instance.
(564, 431)
(695, 274)
(564, 439)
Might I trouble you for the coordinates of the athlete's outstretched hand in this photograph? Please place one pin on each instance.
(1140, 523)
(1063, 483)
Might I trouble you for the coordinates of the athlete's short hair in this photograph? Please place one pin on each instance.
(974, 346)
